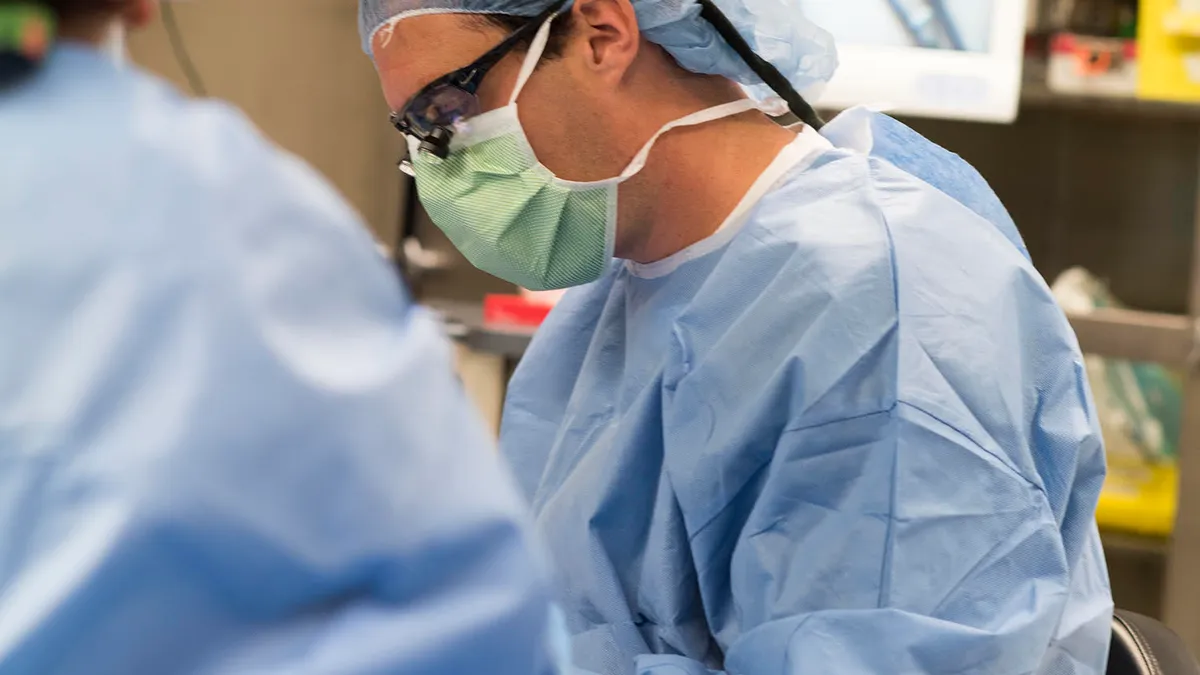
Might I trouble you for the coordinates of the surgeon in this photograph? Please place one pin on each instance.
(810, 409)
(229, 443)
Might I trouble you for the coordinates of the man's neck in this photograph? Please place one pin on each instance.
(693, 181)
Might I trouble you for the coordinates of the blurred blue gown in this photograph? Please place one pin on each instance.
(228, 442)
(850, 434)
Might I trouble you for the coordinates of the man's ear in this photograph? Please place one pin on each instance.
(608, 30)
(139, 13)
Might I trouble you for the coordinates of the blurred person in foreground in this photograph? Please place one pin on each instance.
(811, 408)
(229, 443)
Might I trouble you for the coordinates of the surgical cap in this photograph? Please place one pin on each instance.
(775, 29)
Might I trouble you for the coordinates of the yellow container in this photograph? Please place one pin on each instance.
(1138, 497)
(1169, 50)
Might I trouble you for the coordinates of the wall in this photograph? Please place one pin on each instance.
(296, 68)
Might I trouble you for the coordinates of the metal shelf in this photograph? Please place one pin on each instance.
(1135, 544)
(1137, 336)
(464, 322)
(1037, 95)
(1115, 333)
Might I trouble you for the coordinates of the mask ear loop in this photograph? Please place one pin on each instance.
(639, 160)
(701, 117)
(537, 47)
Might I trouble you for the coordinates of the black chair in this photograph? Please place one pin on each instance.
(1143, 646)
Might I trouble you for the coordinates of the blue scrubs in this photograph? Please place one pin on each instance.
(229, 444)
(850, 433)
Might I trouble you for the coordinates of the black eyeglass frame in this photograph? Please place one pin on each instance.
(435, 134)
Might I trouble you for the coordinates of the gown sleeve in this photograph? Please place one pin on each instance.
(230, 444)
(971, 572)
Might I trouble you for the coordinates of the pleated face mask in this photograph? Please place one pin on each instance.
(510, 215)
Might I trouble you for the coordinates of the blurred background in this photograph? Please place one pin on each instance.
(1084, 115)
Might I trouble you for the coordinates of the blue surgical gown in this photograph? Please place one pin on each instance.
(851, 434)
(228, 442)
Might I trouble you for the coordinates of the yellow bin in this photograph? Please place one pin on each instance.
(1139, 498)
(1169, 50)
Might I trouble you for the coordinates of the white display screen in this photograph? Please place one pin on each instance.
(906, 23)
(956, 59)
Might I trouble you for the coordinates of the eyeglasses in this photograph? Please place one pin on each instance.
(432, 114)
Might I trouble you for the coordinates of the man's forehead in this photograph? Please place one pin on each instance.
(430, 33)
(374, 13)
(417, 50)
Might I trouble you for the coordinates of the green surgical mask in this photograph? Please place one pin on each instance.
(510, 215)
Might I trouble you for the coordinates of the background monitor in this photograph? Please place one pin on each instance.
(957, 59)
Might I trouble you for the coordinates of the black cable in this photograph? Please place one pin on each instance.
(761, 67)
(407, 229)
(180, 48)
